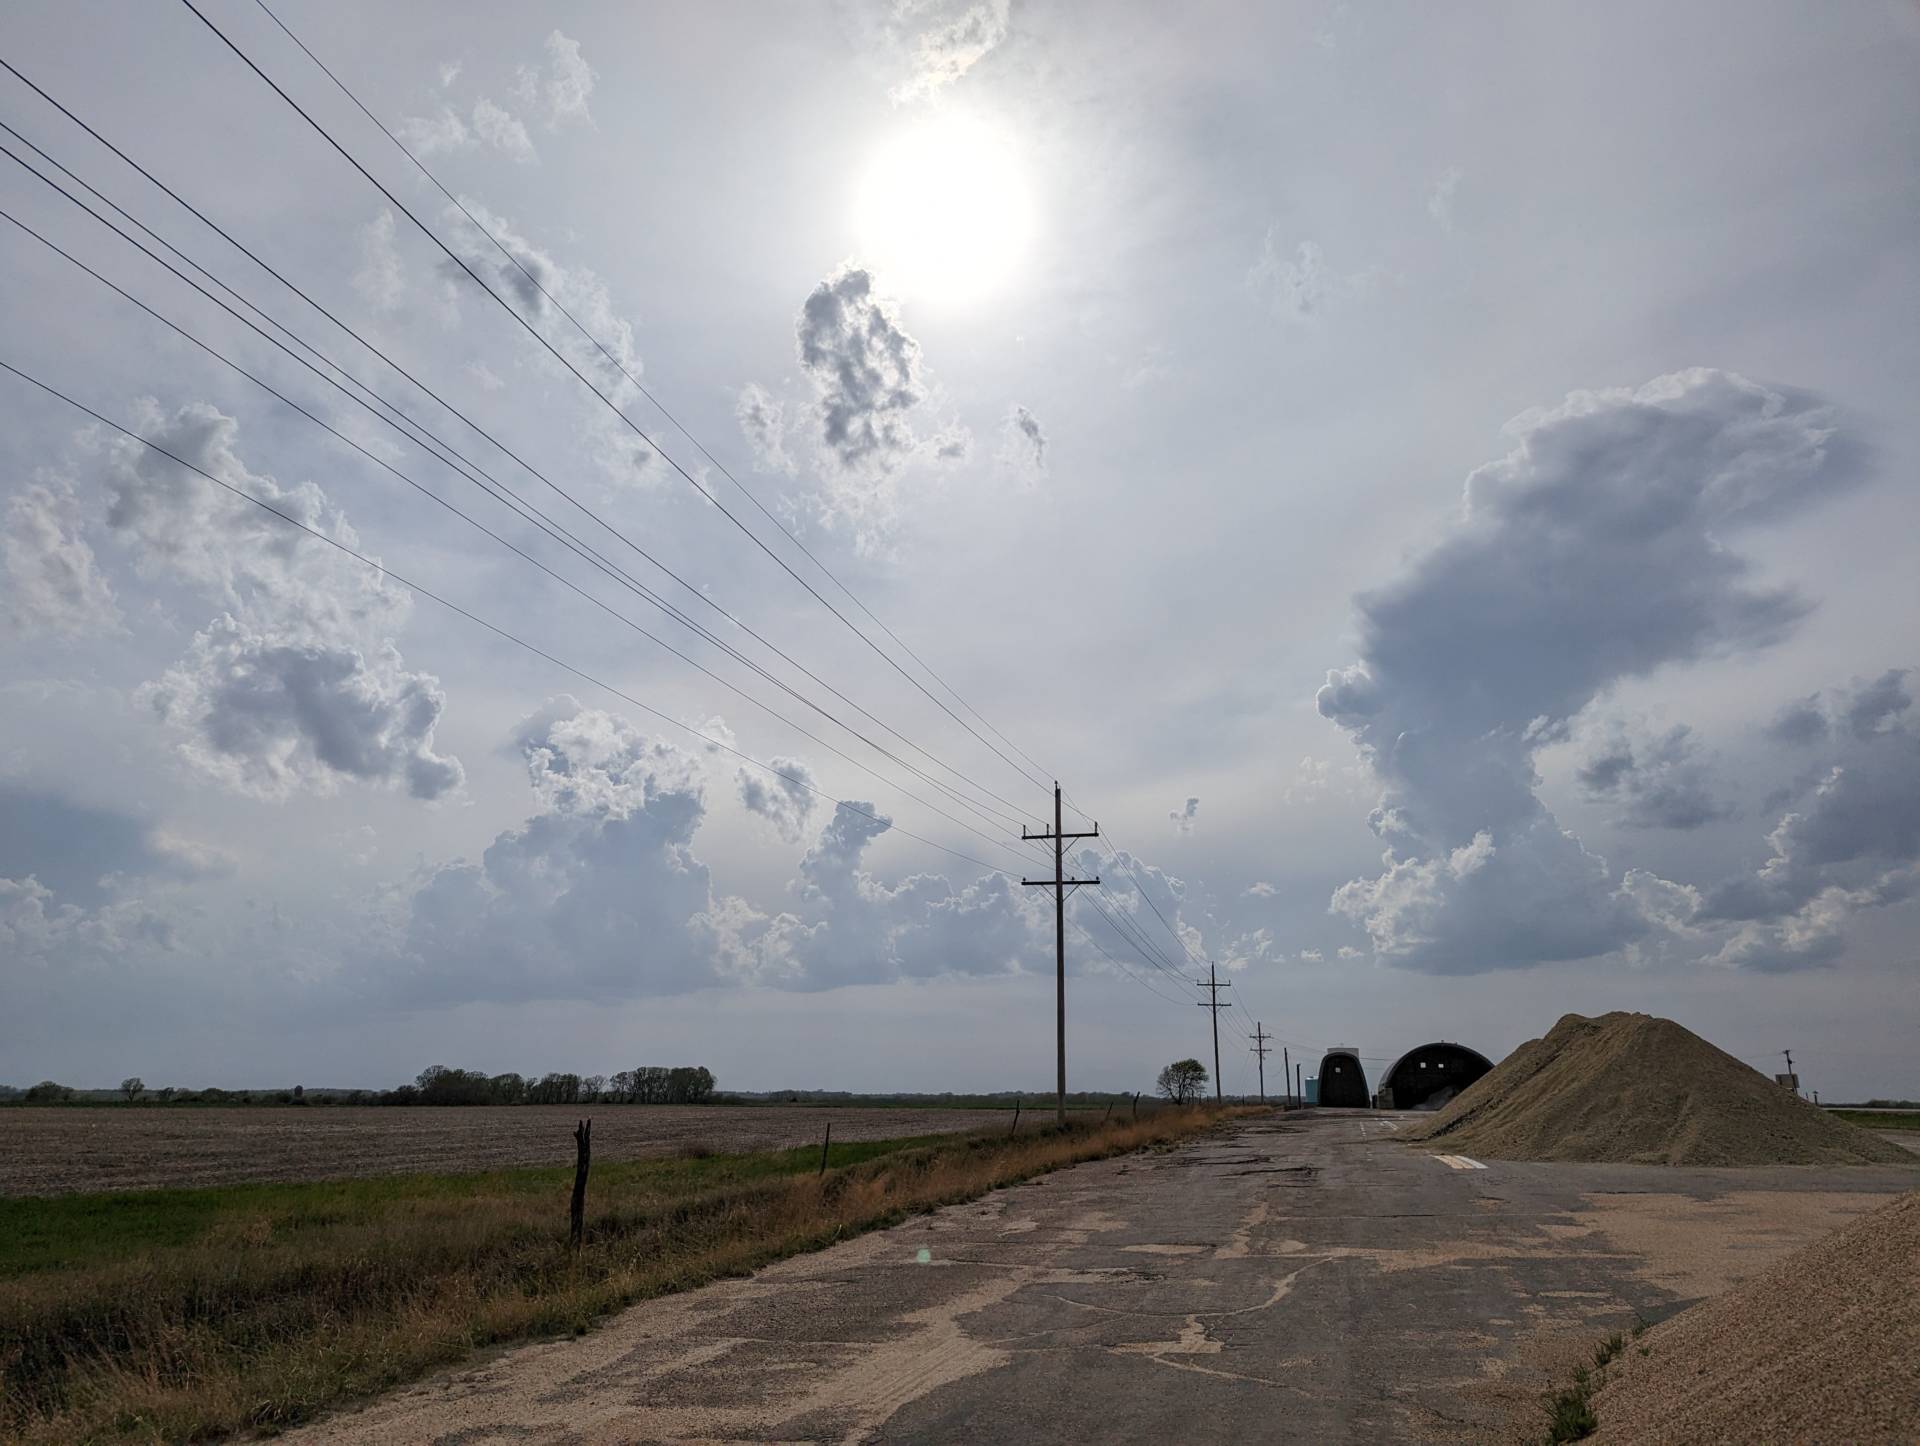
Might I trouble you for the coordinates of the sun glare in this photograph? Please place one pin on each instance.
(944, 213)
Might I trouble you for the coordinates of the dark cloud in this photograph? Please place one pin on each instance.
(1595, 551)
(297, 685)
(865, 369)
(1025, 443)
(785, 798)
(1656, 779)
(79, 851)
(1799, 722)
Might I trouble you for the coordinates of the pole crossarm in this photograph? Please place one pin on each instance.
(1262, 1049)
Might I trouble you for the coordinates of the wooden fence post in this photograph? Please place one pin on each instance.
(1016, 1118)
(823, 1147)
(1136, 1107)
(1109, 1114)
(583, 1154)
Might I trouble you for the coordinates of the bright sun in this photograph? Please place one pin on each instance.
(943, 213)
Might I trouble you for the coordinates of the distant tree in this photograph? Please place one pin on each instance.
(133, 1087)
(300, 1092)
(48, 1092)
(507, 1089)
(623, 1084)
(424, 1080)
(592, 1087)
(1182, 1081)
(165, 1094)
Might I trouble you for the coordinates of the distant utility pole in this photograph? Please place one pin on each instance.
(1300, 1090)
(1212, 1002)
(1260, 1038)
(1792, 1083)
(1286, 1072)
(1060, 883)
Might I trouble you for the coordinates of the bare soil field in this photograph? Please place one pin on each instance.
(56, 1151)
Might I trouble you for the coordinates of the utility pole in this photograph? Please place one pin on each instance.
(1300, 1090)
(1260, 1038)
(1286, 1072)
(1792, 1083)
(1212, 1002)
(1059, 883)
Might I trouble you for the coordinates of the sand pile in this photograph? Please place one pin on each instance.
(1636, 1089)
(1823, 1347)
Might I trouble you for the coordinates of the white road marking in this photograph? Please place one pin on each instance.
(1459, 1162)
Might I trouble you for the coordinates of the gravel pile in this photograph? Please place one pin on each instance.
(1823, 1347)
(1632, 1088)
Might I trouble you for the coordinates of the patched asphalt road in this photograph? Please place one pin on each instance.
(1289, 1278)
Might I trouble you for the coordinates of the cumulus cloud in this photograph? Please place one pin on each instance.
(1261, 890)
(37, 929)
(1184, 817)
(1023, 443)
(601, 894)
(763, 422)
(1852, 844)
(53, 583)
(1656, 779)
(784, 798)
(865, 369)
(84, 853)
(1595, 551)
(946, 51)
(297, 685)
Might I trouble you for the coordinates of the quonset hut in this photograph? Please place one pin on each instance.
(1343, 1083)
(1427, 1077)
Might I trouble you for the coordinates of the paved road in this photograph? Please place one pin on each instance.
(1305, 1278)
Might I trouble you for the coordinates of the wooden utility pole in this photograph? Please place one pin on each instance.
(1299, 1089)
(1286, 1073)
(1260, 1038)
(1060, 883)
(1212, 1001)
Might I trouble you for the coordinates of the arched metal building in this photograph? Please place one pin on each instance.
(1343, 1083)
(1427, 1077)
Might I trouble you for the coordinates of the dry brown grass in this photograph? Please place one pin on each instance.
(318, 1294)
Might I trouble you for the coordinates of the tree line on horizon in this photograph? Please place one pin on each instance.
(437, 1084)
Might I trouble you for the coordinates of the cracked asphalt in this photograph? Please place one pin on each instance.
(1302, 1277)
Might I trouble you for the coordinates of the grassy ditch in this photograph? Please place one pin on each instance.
(1570, 1414)
(190, 1313)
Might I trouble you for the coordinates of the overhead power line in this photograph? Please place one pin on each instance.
(638, 385)
(693, 590)
(607, 401)
(421, 590)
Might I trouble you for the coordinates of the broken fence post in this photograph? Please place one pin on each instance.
(823, 1147)
(583, 1154)
(1016, 1118)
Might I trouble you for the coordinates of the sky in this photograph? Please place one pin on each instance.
(1435, 485)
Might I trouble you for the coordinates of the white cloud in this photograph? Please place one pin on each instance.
(53, 583)
(1184, 817)
(1299, 286)
(1023, 445)
(1595, 551)
(380, 279)
(429, 136)
(298, 684)
(763, 422)
(503, 130)
(1261, 890)
(945, 52)
(785, 797)
(570, 82)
